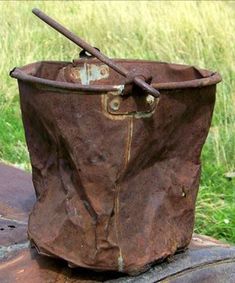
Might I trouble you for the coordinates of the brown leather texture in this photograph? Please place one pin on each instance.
(116, 177)
(206, 260)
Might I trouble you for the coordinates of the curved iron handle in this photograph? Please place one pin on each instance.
(80, 42)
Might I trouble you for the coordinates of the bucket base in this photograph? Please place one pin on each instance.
(206, 260)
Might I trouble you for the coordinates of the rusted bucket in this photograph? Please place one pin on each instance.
(116, 176)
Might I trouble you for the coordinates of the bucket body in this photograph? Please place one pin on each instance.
(116, 177)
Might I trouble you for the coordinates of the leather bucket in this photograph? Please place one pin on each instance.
(116, 176)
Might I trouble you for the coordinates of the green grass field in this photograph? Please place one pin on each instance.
(196, 33)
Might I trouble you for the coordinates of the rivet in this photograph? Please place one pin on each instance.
(150, 99)
(183, 193)
(115, 104)
(103, 70)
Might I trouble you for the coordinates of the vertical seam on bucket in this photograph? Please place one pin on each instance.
(127, 156)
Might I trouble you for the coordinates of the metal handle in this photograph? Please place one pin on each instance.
(84, 54)
(80, 42)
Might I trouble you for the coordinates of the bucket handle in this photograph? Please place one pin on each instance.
(132, 77)
(84, 54)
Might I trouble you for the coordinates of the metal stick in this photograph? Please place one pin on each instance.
(80, 42)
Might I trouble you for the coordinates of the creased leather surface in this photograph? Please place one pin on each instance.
(114, 192)
(207, 260)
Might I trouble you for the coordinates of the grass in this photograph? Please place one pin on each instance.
(197, 33)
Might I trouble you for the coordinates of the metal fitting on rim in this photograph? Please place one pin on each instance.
(132, 75)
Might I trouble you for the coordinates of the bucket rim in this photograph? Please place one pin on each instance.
(19, 74)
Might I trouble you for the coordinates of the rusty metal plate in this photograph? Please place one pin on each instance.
(12, 232)
(116, 183)
(16, 201)
(210, 264)
(16, 194)
(137, 106)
